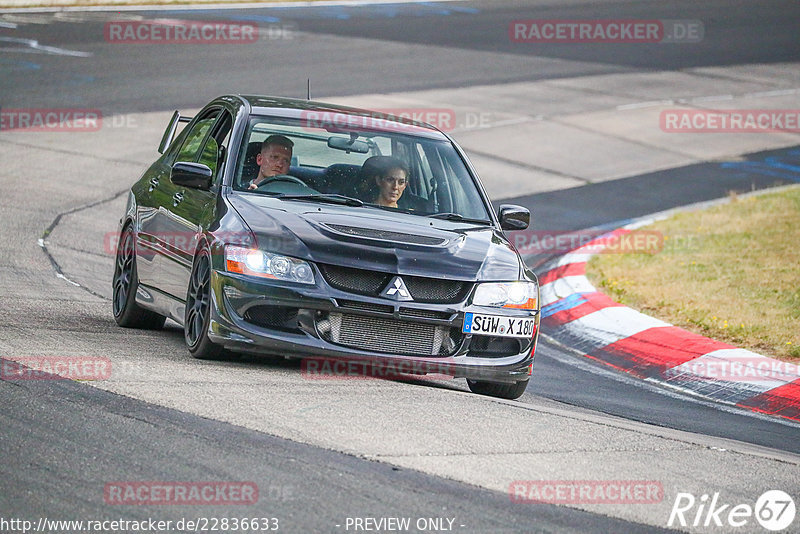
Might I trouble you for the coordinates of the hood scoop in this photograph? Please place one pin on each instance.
(385, 235)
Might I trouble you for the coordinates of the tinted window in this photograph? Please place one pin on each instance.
(210, 155)
(195, 137)
(215, 148)
(437, 181)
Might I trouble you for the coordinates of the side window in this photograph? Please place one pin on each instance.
(210, 155)
(215, 149)
(400, 151)
(456, 177)
(425, 172)
(191, 146)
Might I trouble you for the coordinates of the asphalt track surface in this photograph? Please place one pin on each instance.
(310, 488)
(154, 78)
(38, 415)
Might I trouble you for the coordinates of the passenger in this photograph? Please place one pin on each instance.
(384, 179)
(273, 159)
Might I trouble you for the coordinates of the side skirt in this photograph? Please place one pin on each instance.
(160, 302)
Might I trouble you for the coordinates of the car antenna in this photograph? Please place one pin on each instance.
(308, 89)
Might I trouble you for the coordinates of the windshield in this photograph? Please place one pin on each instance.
(382, 169)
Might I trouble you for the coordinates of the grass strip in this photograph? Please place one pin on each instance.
(730, 272)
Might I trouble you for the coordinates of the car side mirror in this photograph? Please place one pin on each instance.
(194, 175)
(514, 217)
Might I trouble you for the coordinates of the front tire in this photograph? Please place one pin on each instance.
(198, 311)
(503, 391)
(127, 313)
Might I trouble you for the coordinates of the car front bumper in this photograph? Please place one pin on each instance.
(321, 322)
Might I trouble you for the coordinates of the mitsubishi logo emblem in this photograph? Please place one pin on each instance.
(397, 290)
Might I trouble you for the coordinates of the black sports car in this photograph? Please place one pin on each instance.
(303, 229)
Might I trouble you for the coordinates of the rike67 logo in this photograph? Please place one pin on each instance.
(774, 510)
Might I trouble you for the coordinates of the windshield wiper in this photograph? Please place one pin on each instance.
(332, 199)
(458, 217)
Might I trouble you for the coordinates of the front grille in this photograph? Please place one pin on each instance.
(391, 336)
(365, 306)
(494, 346)
(389, 309)
(436, 290)
(426, 314)
(371, 283)
(386, 235)
(275, 317)
(355, 280)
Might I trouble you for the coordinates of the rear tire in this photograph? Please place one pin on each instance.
(198, 311)
(503, 391)
(127, 313)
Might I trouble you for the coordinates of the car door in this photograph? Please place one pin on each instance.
(195, 210)
(163, 238)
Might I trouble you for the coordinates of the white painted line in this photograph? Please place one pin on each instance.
(509, 122)
(609, 325)
(232, 6)
(564, 287)
(573, 257)
(78, 17)
(779, 92)
(7, 25)
(24, 19)
(713, 98)
(739, 365)
(644, 222)
(591, 249)
(669, 389)
(722, 376)
(716, 403)
(648, 104)
(701, 99)
(59, 275)
(34, 47)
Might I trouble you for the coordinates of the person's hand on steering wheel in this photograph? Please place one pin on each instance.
(277, 178)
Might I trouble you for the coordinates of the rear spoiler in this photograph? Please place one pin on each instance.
(169, 133)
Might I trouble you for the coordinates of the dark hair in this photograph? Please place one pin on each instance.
(280, 140)
(366, 188)
(381, 165)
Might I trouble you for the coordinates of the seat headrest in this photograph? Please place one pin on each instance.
(341, 177)
(250, 167)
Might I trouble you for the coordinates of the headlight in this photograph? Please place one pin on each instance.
(256, 262)
(521, 295)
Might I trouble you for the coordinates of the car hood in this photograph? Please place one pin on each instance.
(375, 239)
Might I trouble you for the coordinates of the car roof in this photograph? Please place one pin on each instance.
(335, 115)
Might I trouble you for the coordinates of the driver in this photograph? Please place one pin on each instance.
(274, 158)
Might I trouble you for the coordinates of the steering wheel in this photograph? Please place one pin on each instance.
(283, 178)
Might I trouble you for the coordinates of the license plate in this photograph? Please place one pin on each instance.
(498, 325)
